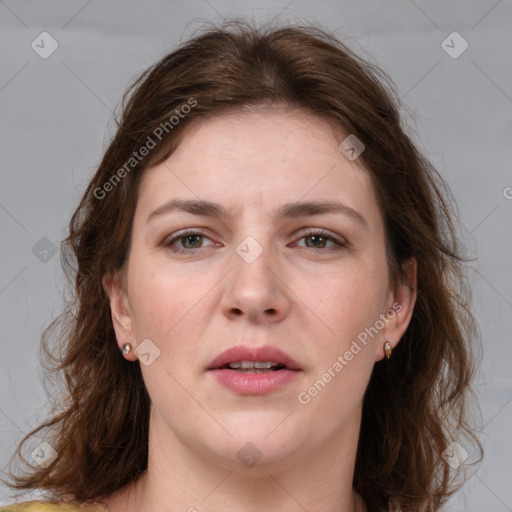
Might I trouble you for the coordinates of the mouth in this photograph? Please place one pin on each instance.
(253, 359)
(254, 367)
(249, 370)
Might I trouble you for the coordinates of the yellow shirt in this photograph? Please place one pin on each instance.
(42, 506)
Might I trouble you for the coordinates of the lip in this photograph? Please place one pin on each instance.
(254, 383)
(245, 353)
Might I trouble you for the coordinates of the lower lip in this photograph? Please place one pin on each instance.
(254, 383)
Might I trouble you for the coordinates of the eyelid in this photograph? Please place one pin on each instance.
(339, 241)
(169, 241)
(306, 232)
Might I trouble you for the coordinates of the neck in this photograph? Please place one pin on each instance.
(183, 478)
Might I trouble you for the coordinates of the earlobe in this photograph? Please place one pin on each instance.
(403, 299)
(120, 312)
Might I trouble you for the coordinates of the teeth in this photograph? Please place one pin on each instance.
(252, 364)
(254, 370)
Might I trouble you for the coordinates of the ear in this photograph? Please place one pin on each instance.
(400, 306)
(122, 319)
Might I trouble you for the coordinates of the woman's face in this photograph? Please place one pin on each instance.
(261, 268)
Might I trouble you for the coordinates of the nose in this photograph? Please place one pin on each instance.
(256, 289)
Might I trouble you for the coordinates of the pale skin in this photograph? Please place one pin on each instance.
(306, 295)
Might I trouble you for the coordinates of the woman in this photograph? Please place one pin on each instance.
(270, 307)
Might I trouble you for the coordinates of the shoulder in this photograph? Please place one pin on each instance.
(45, 506)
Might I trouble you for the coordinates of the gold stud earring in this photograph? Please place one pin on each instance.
(387, 349)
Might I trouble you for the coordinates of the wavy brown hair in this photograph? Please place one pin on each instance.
(415, 404)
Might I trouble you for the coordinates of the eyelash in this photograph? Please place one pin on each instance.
(170, 244)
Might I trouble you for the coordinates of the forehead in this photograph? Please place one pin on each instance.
(260, 158)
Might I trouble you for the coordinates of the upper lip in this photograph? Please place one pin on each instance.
(245, 353)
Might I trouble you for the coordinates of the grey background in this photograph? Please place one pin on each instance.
(57, 119)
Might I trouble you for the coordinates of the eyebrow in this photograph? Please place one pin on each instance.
(289, 210)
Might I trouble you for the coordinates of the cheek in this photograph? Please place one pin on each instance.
(172, 307)
(345, 302)
(349, 306)
(160, 296)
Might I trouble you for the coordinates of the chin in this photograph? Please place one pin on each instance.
(259, 441)
(257, 458)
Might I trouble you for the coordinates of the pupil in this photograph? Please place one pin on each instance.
(188, 238)
(317, 238)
